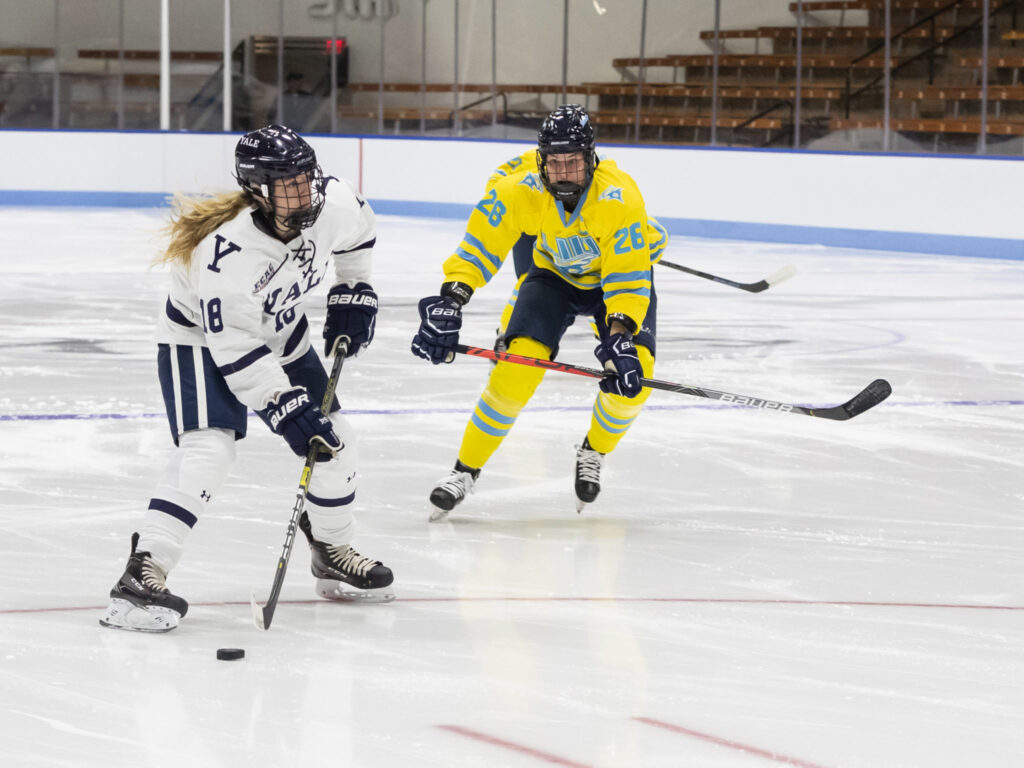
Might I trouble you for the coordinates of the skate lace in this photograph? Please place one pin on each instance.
(458, 484)
(347, 559)
(153, 577)
(588, 465)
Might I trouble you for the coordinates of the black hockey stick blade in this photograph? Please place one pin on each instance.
(867, 398)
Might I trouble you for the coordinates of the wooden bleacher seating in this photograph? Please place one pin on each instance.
(878, 5)
(133, 55)
(753, 60)
(676, 90)
(824, 33)
(27, 53)
(935, 125)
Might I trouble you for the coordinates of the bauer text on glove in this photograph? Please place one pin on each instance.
(297, 419)
(352, 313)
(440, 322)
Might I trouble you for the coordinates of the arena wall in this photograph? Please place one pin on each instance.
(955, 205)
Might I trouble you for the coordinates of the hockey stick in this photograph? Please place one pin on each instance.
(264, 615)
(761, 285)
(869, 397)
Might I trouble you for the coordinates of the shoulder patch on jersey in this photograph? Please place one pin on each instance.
(267, 276)
(612, 193)
(532, 180)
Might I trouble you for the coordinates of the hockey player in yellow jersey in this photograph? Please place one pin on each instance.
(522, 249)
(592, 257)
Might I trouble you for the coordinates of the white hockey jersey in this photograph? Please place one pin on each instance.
(242, 296)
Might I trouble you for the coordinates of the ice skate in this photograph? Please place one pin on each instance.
(451, 490)
(343, 574)
(588, 474)
(140, 601)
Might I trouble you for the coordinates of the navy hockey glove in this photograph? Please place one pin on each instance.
(618, 355)
(300, 422)
(351, 312)
(440, 323)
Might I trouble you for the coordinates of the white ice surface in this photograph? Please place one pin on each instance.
(751, 588)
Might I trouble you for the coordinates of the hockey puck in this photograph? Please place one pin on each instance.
(230, 654)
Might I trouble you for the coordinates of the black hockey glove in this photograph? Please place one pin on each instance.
(618, 355)
(440, 323)
(351, 312)
(300, 422)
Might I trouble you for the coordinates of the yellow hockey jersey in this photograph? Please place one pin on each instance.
(518, 164)
(607, 242)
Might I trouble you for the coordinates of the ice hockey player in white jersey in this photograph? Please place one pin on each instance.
(233, 336)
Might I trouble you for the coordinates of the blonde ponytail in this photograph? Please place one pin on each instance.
(193, 218)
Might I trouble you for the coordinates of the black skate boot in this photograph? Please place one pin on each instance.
(140, 601)
(588, 474)
(451, 490)
(369, 580)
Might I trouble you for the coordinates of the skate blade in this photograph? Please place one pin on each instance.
(580, 506)
(122, 614)
(335, 590)
(437, 514)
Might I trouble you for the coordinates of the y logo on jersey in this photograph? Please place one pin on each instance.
(220, 251)
(575, 253)
(532, 180)
(612, 193)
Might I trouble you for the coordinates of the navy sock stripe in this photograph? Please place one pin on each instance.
(331, 502)
(172, 509)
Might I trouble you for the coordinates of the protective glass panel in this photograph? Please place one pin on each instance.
(386, 51)
(528, 66)
(766, 95)
(304, 86)
(930, 97)
(603, 77)
(672, 82)
(126, 52)
(196, 86)
(27, 64)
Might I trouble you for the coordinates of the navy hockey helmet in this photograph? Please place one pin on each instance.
(276, 152)
(567, 130)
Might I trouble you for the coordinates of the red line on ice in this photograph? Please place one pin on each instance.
(728, 743)
(686, 600)
(547, 757)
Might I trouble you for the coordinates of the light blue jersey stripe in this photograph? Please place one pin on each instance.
(624, 277)
(472, 241)
(484, 269)
(635, 291)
